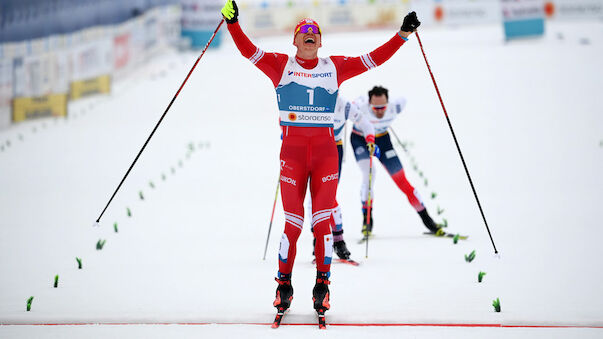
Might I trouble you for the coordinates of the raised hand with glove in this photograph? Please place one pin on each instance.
(410, 24)
(230, 12)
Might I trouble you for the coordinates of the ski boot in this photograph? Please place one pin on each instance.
(284, 292)
(341, 250)
(430, 224)
(367, 225)
(320, 296)
(284, 295)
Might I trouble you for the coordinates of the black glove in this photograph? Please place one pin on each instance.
(230, 12)
(410, 23)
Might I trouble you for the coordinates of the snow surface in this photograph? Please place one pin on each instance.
(528, 119)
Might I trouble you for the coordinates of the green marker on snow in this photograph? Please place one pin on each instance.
(179, 163)
(421, 174)
(128, 211)
(56, 281)
(496, 304)
(456, 238)
(470, 256)
(425, 181)
(140, 195)
(100, 244)
(29, 301)
(79, 263)
(115, 227)
(433, 195)
(191, 146)
(151, 184)
(444, 222)
(173, 170)
(163, 176)
(480, 276)
(440, 210)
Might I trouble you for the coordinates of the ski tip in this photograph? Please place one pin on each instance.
(347, 261)
(277, 320)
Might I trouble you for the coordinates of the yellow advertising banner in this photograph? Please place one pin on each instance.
(97, 85)
(52, 105)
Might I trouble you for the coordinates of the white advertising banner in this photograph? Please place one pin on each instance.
(574, 9)
(523, 18)
(40, 75)
(169, 25)
(199, 20)
(91, 59)
(457, 12)
(277, 18)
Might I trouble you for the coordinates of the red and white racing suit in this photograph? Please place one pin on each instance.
(306, 94)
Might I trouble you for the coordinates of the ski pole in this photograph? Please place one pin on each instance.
(457, 144)
(272, 217)
(345, 142)
(369, 203)
(398, 140)
(159, 122)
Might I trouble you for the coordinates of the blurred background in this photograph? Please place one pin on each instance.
(56, 51)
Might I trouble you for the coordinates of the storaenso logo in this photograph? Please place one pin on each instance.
(310, 75)
(330, 177)
(288, 180)
(303, 117)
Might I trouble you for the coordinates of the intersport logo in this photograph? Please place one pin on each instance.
(310, 75)
(330, 177)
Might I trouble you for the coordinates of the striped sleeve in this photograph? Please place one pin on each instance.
(256, 56)
(272, 64)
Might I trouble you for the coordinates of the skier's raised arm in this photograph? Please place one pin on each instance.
(272, 64)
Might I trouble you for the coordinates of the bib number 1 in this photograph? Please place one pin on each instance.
(311, 96)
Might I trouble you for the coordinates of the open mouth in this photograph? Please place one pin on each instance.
(309, 40)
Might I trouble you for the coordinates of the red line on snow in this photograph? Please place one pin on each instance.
(312, 324)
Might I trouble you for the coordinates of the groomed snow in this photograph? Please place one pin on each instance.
(528, 119)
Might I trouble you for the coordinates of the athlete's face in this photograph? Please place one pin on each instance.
(307, 44)
(378, 105)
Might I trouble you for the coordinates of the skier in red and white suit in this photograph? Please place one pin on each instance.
(306, 88)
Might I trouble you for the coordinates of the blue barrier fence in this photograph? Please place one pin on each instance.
(31, 19)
